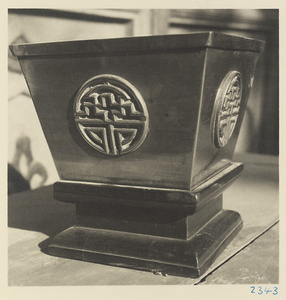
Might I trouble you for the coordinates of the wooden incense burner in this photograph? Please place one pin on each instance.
(142, 131)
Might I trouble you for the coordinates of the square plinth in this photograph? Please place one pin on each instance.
(188, 258)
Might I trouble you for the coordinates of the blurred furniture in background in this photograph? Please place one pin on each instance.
(29, 170)
(16, 182)
(259, 133)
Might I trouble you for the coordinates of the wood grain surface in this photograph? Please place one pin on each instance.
(177, 76)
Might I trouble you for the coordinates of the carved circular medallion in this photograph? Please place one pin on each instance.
(111, 115)
(226, 108)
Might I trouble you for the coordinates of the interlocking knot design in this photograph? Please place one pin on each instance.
(226, 108)
(111, 115)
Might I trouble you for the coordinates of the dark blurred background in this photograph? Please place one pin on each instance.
(28, 151)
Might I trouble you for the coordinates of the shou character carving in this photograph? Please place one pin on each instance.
(226, 109)
(111, 115)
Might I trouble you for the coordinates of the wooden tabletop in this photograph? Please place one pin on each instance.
(34, 218)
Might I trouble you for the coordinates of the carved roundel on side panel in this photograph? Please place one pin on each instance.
(226, 108)
(111, 115)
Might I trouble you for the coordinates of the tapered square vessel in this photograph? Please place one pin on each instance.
(142, 131)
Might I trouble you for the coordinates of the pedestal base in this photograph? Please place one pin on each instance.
(189, 258)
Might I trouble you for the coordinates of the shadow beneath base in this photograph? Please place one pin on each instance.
(45, 244)
(38, 211)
